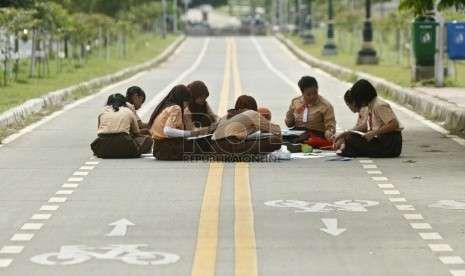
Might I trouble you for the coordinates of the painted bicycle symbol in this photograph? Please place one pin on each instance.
(323, 207)
(127, 253)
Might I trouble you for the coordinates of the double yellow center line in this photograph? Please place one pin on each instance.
(207, 238)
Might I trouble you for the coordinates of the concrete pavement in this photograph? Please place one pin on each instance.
(445, 106)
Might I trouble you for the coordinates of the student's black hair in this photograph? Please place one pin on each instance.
(348, 97)
(363, 93)
(306, 82)
(116, 101)
(134, 90)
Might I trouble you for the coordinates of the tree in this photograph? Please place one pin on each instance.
(420, 7)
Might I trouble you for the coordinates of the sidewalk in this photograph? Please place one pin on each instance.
(445, 106)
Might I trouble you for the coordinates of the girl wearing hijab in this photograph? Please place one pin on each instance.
(244, 133)
(167, 126)
(118, 132)
(198, 114)
(381, 129)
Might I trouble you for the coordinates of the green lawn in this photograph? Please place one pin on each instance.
(140, 49)
(392, 66)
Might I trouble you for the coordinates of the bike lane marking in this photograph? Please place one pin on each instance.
(444, 251)
(29, 229)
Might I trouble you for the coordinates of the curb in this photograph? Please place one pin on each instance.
(32, 106)
(448, 115)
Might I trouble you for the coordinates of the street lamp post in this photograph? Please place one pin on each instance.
(308, 37)
(330, 47)
(163, 24)
(367, 55)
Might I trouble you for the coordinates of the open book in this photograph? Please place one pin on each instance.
(198, 137)
(290, 132)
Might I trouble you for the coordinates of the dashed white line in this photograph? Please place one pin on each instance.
(451, 260)
(416, 225)
(430, 236)
(5, 262)
(405, 207)
(75, 179)
(41, 216)
(440, 247)
(397, 199)
(49, 208)
(457, 272)
(12, 249)
(57, 199)
(22, 237)
(379, 178)
(370, 166)
(80, 173)
(32, 226)
(64, 192)
(374, 172)
(391, 192)
(70, 185)
(92, 163)
(413, 216)
(385, 186)
(89, 168)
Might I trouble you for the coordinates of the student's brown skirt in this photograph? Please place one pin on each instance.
(386, 145)
(120, 145)
(181, 148)
(234, 149)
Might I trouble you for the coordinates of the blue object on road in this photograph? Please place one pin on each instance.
(456, 40)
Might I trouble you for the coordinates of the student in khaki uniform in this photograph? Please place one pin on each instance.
(135, 97)
(168, 129)
(312, 113)
(198, 114)
(383, 137)
(118, 133)
(360, 125)
(244, 133)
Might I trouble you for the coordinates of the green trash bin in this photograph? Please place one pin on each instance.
(424, 40)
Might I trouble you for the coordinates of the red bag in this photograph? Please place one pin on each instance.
(318, 143)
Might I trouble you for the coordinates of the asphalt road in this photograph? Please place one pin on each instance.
(64, 212)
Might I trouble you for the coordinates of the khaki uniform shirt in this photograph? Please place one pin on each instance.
(381, 114)
(171, 117)
(362, 117)
(122, 120)
(133, 109)
(318, 116)
(244, 124)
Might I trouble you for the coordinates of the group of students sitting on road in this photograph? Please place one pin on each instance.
(184, 127)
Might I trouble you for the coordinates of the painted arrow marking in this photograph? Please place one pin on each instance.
(120, 227)
(331, 227)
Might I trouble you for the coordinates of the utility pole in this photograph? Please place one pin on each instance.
(439, 62)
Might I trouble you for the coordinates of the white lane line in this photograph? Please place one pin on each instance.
(5, 262)
(75, 179)
(370, 166)
(391, 192)
(374, 172)
(22, 237)
(81, 173)
(88, 168)
(457, 272)
(379, 178)
(32, 226)
(451, 260)
(443, 247)
(70, 185)
(64, 192)
(397, 199)
(430, 236)
(405, 207)
(416, 225)
(364, 161)
(41, 216)
(386, 186)
(49, 208)
(57, 199)
(10, 249)
(92, 162)
(413, 216)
